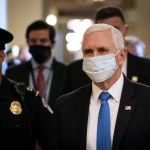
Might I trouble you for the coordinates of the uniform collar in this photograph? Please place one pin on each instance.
(7, 90)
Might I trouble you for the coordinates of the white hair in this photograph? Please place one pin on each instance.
(117, 35)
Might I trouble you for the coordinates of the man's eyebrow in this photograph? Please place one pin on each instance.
(102, 48)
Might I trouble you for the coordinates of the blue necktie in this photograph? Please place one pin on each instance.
(103, 126)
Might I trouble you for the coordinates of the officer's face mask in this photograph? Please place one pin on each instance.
(100, 68)
(40, 53)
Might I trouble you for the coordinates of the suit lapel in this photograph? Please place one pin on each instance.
(57, 82)
(52, 87)
(126, 108)
(82, 116)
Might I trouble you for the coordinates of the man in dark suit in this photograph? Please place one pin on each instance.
(41, 40)
(77, 115)
(22, 112)
(134, 67)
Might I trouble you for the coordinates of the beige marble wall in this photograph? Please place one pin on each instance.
(20, 14)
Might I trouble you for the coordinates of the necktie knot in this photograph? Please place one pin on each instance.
(104, 96)
(40, 68)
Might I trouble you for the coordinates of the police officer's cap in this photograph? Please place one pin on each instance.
(5, 37)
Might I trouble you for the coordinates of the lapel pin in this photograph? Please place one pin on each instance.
(134, 78)
(127, 107)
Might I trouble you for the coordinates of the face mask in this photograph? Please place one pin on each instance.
(40, 53)
(100, 68)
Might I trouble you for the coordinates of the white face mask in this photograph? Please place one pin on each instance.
(100, 68)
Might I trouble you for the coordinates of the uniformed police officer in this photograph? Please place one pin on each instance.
(24, 117)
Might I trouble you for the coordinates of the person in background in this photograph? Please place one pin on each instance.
(43, 72)
(111, 113)
(11, 59)
(134, 67)
(24, 54)
(135, 45)
(4, 67)
(22, 111)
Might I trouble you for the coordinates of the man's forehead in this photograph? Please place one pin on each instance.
(39, 32)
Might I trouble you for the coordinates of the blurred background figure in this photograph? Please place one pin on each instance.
(4, 67)
(24, 54)
(135, 45)
(15, 55)
(11, 59)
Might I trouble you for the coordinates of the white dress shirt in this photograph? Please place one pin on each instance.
(94, 107)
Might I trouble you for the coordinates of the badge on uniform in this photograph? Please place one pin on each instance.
(15, 108)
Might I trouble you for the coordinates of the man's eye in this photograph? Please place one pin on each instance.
(88, 51)
(33, 40)
(102, 50)
(44, 40)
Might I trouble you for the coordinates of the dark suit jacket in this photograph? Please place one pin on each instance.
(138, 67)
(132, 130)
(138, 70)
(20, 73)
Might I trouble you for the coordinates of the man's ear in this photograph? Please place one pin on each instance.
(126, 30)
(53, 44)
(27, 41)
(123, 55)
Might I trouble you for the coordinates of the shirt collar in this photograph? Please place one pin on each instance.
(115, 90)
(48, 63)
(95, 92)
